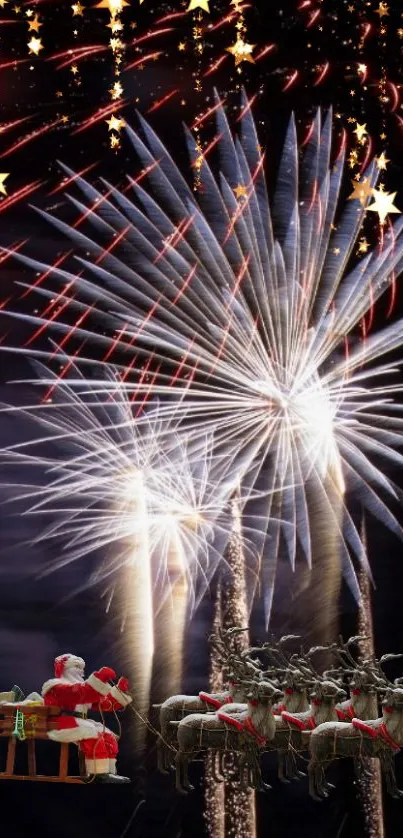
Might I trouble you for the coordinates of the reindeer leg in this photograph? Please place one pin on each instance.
(388, 768)
(291, 765)
(281, 765)
(179, 766)
(188, 786)
(315, 775)
(161, 762)
(262, 786)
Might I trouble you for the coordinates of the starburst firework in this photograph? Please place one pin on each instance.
(251, 316)
(102, 478)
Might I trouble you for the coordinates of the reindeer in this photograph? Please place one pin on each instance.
(178, 707)
(290, 727)
(240, 733)
(379, 738)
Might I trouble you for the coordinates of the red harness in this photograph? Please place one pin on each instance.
(250, 728)
(214, 702)
(360, 725)
(230, 720)
(310, 723)
(387, 737)
(346, 715)
(381, 731)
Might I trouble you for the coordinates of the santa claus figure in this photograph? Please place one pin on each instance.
(75, 695)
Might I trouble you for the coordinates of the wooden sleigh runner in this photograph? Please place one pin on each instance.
(27, 724)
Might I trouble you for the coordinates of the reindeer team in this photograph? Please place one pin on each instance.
(286, 706)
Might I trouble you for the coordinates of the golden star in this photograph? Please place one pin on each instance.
(198, 4)
(115, 123)
(181, 46)
(116, 91)
(362, 68)
(115, 25)
(114, 6)
(361, 131)
(382, 161)
(65, 119)
(2, 187)
(242, 51)
(74, 69)
(35, 45)
(363, 246)
(115, 141)
(115, 44)
(3, 3)
(362, 190)
(34, 24)
(382, 10)
(29, 12)
(241, 191)
(77, 9)
(383, 204)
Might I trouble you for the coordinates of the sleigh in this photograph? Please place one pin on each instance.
(23, 726)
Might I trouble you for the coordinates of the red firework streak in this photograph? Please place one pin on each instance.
(151, 56)
(116, 342)
(71, 331)
(100, 114)
(175, 238)
(183, 362)
(63, 373)
(215, 66)
(202, 118)
(162, 101)
(322, 75)
(47, 273)
(51, 318)
(67, 181)
(29, 137)
(20, 194)
(243, 205)
(185, 285)
(113, 244)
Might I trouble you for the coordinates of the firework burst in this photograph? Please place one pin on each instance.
(102, 476)
(249, 317)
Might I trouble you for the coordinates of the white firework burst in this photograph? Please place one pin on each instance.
(251, 315)
(102, 478)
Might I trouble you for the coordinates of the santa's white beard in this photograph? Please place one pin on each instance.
(74, 676)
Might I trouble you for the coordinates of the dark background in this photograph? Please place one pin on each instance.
(40, 618)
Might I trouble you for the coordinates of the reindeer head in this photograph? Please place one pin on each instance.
(264, 692)
(393, 701)
(327, 692)
(363, 681)
(294, 681)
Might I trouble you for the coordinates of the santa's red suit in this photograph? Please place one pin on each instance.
(75, 696)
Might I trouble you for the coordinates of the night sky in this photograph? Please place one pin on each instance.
(307, 54)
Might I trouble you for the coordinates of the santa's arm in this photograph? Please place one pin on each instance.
(91, 691)
(117, 699)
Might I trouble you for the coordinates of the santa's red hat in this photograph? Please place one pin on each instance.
(64, 662)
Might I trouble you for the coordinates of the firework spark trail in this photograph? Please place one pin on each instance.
(370, 782)
(258, 331)
(240, 814)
